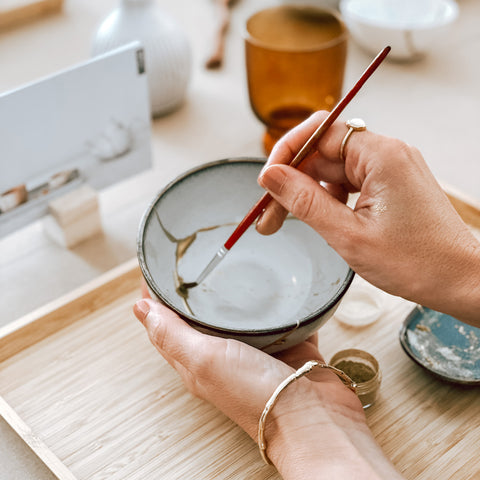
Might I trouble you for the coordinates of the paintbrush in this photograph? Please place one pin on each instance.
(259, 207)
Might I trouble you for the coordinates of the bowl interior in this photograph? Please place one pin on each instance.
(264, 283)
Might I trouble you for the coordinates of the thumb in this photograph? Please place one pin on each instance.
(170, 335)
(307, 200)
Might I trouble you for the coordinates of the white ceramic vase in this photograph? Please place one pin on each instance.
(167, 50)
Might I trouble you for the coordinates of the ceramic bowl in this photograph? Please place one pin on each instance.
(410, 27)
(271, 292)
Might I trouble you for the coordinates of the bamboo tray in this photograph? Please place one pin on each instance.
(84, 388)
(18, 12)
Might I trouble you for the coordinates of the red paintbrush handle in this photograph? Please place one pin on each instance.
(249, 218)
(258, 208)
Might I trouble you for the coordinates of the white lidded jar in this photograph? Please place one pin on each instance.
(168, 55)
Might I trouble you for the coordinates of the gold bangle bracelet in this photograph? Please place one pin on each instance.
(307, 368)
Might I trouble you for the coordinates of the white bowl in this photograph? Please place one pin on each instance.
(271, 292)
(410, 27)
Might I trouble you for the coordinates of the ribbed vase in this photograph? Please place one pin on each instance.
(167, 50)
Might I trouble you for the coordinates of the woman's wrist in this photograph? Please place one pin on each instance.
(317, 430)
(466, 299)
(457, 290)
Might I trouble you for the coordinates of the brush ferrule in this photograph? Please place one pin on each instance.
(213, 263)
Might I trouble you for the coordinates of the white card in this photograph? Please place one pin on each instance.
(87, 124)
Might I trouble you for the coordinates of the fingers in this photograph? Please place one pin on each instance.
(271, 219)
(340, 192)
(191, 352)
(172, 337)
(291, 143)
(308, 201)
(237, 378)
(199, 359)
(322, 164)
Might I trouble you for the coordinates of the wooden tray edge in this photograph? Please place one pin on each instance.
(16, 16)
(56, 466)
(467, 207)
(50, 318)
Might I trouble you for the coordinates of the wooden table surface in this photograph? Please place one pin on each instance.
(432, 104)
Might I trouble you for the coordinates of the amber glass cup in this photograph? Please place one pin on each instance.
(295, 62)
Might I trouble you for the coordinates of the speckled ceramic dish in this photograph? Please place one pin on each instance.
(270, 292)
(443, 345)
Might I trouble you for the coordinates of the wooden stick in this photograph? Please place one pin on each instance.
(216, 58)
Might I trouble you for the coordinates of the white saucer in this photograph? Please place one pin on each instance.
(361, 306)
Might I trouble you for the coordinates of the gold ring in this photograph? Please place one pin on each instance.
(354, 125)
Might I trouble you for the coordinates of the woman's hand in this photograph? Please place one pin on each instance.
(403, 234)
(316, 430)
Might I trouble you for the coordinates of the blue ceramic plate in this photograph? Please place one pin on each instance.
(443, 345)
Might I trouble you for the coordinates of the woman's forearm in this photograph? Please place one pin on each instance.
(455, 282)
(309, 440)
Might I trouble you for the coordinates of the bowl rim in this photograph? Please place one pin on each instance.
(450, 4)
(195, 321)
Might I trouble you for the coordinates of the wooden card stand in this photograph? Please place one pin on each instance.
(74, 217)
